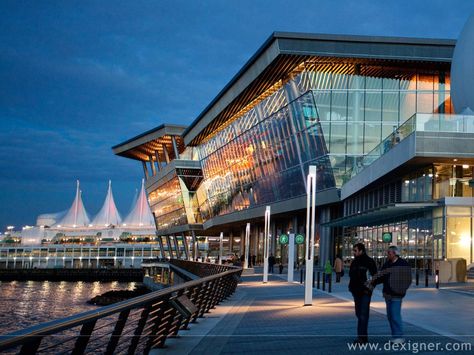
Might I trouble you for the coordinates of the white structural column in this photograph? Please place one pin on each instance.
(221, 246)
(195, 246)
(247, 246)
(291, 256)
(266, 244)
(310, 231)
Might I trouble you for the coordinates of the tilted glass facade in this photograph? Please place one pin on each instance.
(329, 115)
(166, 202)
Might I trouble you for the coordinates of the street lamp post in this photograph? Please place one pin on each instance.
(291, 256)
(247, 246)
(266, 244)
(310, 231)
(221, 246)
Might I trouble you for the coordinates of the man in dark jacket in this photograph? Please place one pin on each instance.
(360, 266)
(396, 278)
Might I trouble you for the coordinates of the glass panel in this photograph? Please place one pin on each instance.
(458, 237)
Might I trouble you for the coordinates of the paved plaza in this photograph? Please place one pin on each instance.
(271, 319)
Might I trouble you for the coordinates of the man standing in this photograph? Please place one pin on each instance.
(396, 277)
(271, 262)
(360, 266)
(338, 267)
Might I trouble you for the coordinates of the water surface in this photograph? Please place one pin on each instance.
(27, 303)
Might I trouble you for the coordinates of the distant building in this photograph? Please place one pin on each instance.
(75, 225)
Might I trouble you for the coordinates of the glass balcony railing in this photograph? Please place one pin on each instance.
(420, 122)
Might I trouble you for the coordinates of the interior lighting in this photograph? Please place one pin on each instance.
(465, 240)
(465, 166)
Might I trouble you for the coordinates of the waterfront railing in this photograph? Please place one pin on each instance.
(132, 326)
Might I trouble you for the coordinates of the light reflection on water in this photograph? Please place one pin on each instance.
(27, 303)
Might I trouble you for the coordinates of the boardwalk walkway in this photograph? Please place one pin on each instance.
(271, 319)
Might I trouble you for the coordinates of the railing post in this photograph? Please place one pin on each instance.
(115, 337)
(83, 339)
(139, 330)
(31, 347)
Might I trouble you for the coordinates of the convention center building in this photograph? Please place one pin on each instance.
(374, 114)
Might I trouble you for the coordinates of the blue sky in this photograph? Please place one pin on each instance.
(77, 77)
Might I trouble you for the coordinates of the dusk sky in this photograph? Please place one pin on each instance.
(78, 77)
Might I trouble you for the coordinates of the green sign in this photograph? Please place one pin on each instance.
(283, 239)
(387, 237)
(299, 239)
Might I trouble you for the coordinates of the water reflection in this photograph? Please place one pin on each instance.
(27, 303)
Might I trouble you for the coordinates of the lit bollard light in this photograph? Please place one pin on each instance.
(437, 278)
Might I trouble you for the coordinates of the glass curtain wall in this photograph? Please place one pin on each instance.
(459, 232)
(262, 155)
(166, 202)
(361, 105)
(414, 238)
(265, 163)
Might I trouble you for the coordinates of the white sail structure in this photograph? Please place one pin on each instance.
(140, 215)
(108, 214)
(76, 216)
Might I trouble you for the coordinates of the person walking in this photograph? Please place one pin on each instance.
(396, 278)
(360, 266)
(338, 267)
(271, 262)
(328, 270)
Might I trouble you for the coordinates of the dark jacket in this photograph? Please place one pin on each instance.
(358, 274)
(396, 278)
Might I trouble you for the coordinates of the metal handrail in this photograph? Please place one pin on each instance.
(38, 332)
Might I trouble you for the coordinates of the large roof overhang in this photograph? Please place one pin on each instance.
(144, 145)
(283, 53)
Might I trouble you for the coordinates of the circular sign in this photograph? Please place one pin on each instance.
(283, 239)
(387, 237)
(299, 239)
